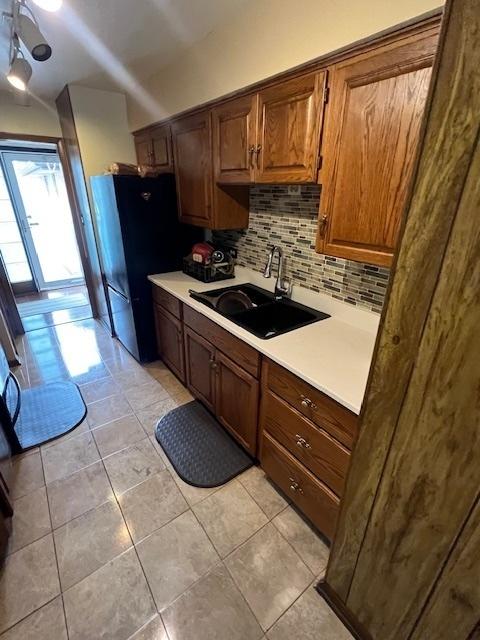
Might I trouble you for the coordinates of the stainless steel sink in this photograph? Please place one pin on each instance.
(268, 317)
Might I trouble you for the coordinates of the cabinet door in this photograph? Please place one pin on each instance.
(290, 117)
(170, 341)
(144, 149)
(234, 139)
(193, 168)
(371, 133)
(162, 148)
(236, 401)
(200, 359)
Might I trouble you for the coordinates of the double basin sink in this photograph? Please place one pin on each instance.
(266, 316)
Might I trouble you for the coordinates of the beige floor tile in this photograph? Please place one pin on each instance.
(107, 410)
(95, 372)
(80, 492)
(213, 609)
(122, 361)
(118, 435)
(263, 492)
(27, 475)
(65, 458)
(269, 573)
(171, 383)
(143, 395)
(47, 623)
(31, 519)
(192, 495)
(310, 618)
(151, 504)
(306, 542)
(133, 465)
(81, 428)
(112, 603)
(29, 579)
(174, 557)
(133, 377)
(94, 391)
(150, 416)
(153, 630)
(90, 541)
(229, 517)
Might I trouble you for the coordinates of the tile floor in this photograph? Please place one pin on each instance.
(108, 542)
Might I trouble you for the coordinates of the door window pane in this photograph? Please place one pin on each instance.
(42, 189)
(11, 245)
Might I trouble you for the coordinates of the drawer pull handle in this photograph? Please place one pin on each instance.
(295, 486)
(307, 403)
(301, 442)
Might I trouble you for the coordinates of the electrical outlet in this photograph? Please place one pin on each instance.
(294, 190)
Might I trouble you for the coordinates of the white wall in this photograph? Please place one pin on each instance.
(267, 37)
(102, 129)
(37, 119)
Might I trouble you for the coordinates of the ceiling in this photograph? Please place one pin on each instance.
(111, 44)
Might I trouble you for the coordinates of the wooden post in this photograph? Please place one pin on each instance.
(408, 512)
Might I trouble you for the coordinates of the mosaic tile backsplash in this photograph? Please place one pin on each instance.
(290, 220)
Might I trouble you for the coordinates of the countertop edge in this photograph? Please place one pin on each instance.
(243, 335)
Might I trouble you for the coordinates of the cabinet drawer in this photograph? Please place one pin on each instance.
(310, 495)
(338, 421)
(320, 453)
(240, 352)
(167, 301)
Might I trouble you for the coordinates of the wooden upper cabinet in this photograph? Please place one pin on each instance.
(234, 139)
(154, 148)
(200, 201)
(371, 133)
(290, 116)
(193, 168)
(272, 136)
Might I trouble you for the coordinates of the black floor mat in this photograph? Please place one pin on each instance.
(200, 450)
(48, 412)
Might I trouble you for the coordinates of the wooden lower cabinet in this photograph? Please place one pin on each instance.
(236, 401)
(169, 330)
(311, 496)
(199, 371)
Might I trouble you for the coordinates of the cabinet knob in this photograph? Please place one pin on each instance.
(301, 442)
(307, 403)
(295, 487)
(323, 225)
(251, 151)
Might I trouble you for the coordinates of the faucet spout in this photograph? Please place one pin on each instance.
(282, 286)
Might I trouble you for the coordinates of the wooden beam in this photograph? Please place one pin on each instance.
(432, 474)
(446, 148)
(455, 601)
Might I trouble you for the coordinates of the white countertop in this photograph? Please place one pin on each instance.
(333, 355)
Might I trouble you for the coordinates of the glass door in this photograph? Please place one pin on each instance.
(38, 188)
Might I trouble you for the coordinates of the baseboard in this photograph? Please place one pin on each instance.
(357, 630)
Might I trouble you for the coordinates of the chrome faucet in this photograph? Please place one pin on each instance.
(282, 286)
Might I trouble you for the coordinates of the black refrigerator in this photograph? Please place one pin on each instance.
(138, 234)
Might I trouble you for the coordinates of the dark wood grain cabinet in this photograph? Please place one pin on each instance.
(372, 128)
(200, 201)
(200, 374)
(154, 148)
(272, 136)
(236, 401)
(169, 332)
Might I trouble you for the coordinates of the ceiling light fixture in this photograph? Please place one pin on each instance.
(20, 72)
(49, 5)
(24, 27)
(31, 36)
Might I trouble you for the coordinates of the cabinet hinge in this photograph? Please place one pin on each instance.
(326, 94)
